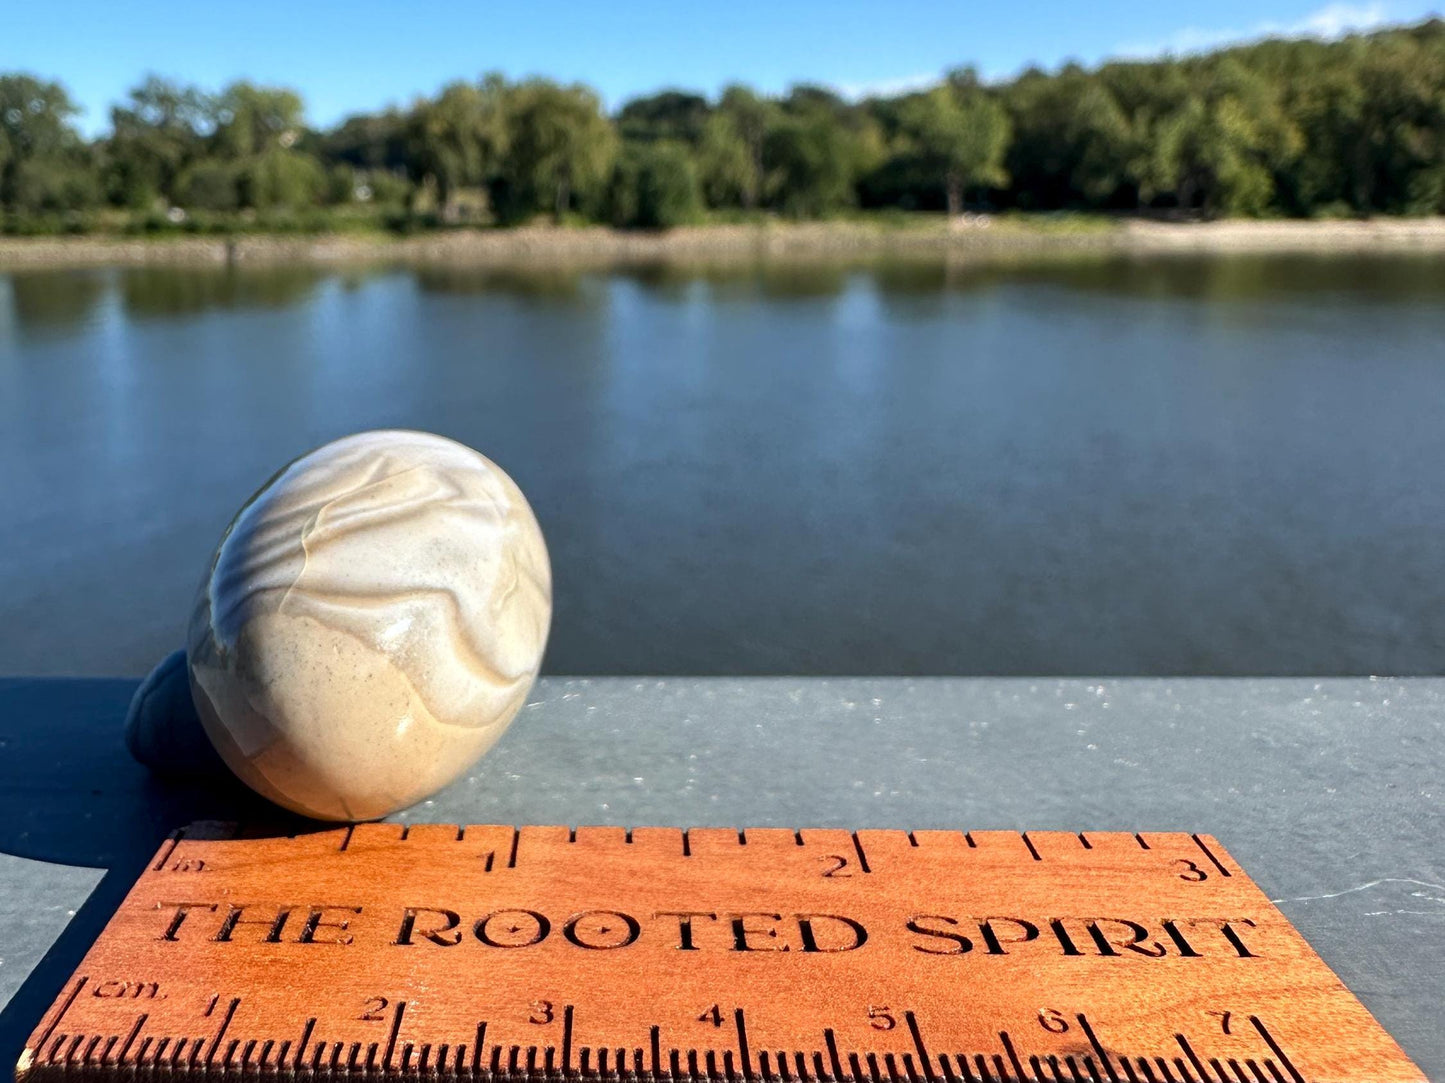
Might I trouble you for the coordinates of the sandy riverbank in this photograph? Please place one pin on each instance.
(982, 238)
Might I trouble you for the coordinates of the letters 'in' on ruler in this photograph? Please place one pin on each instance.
(762, 956)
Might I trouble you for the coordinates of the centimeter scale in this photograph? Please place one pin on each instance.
(490, 953)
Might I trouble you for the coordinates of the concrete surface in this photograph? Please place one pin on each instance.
(1330, 793)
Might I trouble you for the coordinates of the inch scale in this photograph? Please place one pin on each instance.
(487, 953)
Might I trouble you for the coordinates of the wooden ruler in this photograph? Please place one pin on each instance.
(488, 953)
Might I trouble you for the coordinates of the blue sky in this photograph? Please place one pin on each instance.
(348, 57)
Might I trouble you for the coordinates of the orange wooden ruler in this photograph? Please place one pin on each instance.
(487, 953)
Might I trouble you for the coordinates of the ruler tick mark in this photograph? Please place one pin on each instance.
(567, 1039)
(832, 1043)
(1013, 1055)
(1193, 1058)
(106, 1039)
(65, 1007)
(395, 1029)
(130, 1039)
(225, 1022)
(1276, 1050)
(862, 857)
(169, 848)
(1098, 1047)
(912, 1021)
(743, 1044)
(1210, 854)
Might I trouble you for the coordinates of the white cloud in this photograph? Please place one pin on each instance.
(888, 88)
(1331, 21)
(1336, 20)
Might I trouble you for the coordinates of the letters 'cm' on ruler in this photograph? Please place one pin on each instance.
(485, 953)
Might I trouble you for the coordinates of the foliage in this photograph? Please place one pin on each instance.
(730, 155)
(1303, 128)
(459, 139)
(673, 115)
(960, 133)
(655, 186)
(43, 163)
(562, 147)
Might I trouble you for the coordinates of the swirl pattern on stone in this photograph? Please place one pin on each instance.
(372, 621)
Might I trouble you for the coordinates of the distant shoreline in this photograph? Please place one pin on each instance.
(985, 239)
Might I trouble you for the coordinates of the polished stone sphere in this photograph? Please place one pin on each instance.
(372, 621)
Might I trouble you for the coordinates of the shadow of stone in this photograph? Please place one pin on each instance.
(70, 794)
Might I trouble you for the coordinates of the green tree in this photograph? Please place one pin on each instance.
(962, 135)
(810, 167)
(154, 136)
(371, 142)
(561, 147)
(730, 154)
(460, 138)
(253, 159)
(1300, 127)
(281, 178)
(209, 185)
(1072, 142)
(815, 148)
(670, 115)
(251, 119)
(1221, 149)
(44, 165)
(655, 186)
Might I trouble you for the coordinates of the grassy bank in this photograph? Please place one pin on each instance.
(845, 239)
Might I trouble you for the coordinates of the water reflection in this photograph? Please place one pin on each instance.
(1230, 278)
(1101, 465)
(52, 299)
(561, 283)
(66, 299)
(169, 291)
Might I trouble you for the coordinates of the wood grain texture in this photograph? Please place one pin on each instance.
(487, 953)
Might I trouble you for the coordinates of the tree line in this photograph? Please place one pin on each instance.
(1279, 127)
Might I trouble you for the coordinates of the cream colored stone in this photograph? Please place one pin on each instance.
(372, 621)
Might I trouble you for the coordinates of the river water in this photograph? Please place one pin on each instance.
(1226, 465)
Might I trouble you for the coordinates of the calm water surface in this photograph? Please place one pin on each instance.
(1228, 465)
